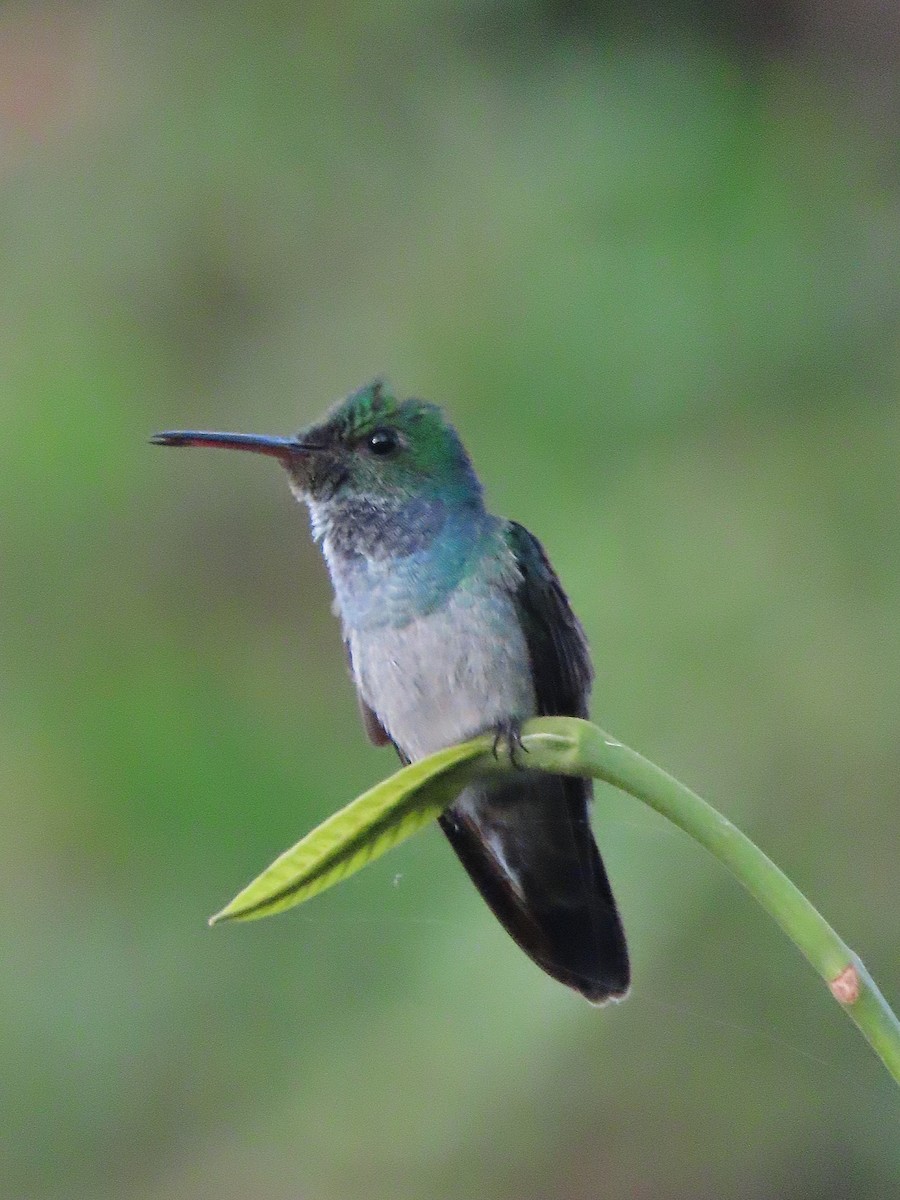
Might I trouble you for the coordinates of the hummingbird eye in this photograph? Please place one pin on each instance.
(382, 441)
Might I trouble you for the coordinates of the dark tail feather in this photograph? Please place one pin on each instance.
(528, 847)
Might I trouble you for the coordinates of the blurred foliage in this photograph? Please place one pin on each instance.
(653, 277)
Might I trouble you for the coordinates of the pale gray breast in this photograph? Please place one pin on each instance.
(450, 674)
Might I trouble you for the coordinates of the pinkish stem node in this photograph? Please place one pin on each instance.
(845, 987)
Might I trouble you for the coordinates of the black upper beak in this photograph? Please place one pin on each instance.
(281, 448)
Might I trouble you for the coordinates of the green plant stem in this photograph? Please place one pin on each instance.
(395, 808)
(568, 746)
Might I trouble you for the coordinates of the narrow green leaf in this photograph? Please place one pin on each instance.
(376, 821)
(396, 808)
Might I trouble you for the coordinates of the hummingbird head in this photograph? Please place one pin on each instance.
(378, 448)
(370, 447)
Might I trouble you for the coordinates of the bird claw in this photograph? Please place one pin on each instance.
(509, 734)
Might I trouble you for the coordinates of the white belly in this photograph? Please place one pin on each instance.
(444, 677)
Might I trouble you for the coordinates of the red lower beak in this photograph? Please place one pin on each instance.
(281, 448)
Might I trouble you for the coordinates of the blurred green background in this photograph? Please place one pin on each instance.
(648, 259)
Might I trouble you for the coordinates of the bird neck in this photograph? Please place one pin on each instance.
(394, 560)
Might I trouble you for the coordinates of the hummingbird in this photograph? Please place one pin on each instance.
(455, 624)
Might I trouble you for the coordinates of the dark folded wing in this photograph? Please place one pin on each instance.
(560, 659)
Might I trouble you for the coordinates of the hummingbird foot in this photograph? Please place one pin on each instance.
(508, 733)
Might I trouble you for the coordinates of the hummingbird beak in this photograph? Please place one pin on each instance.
(284, 449)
